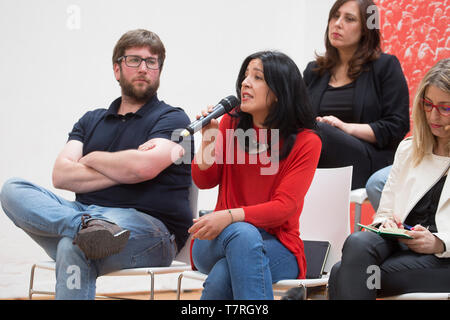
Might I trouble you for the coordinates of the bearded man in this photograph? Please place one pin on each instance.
(131, 207)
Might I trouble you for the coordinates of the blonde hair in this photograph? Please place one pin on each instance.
(423, 138)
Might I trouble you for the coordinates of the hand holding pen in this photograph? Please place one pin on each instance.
(423, 240)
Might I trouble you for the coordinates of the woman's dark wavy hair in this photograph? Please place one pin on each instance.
(369, 48)
(292, 111)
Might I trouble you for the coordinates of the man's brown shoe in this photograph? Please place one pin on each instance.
(99, 239)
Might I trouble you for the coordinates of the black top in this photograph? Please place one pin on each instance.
(338, 102)
(381, 100)
(166, 197)
(424, 212)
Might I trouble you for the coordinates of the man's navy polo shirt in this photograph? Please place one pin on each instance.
(166, 197)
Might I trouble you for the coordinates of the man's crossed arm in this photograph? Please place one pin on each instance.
(99, 169)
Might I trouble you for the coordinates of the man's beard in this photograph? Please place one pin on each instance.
(139, 94)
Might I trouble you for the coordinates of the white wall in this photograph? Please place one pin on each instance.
(55, 64)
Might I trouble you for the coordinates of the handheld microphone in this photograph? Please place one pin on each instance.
(224, 106)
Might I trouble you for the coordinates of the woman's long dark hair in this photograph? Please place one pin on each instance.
(369, 48)
(292, 111)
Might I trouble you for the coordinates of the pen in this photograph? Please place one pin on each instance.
(411, 228)
(406, 226)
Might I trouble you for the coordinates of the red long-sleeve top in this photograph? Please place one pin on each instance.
(273, 201)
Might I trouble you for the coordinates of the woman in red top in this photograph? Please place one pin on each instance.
(263, 157)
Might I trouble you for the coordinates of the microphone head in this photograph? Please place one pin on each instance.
(229, 103)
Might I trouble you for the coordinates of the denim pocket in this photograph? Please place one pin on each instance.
(150, 256)
(157, 254)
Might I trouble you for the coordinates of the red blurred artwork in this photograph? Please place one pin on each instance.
(418, 33)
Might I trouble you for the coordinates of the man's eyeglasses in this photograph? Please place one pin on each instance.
(442, 109)
(135, 62)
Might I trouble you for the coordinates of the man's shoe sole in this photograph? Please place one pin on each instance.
(100, 243)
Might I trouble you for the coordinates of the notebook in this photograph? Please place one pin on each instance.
(316, 253)
(387, 232)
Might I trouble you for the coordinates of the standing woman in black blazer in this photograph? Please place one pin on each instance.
(359, 94)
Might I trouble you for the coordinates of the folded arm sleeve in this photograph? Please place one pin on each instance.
(393, 124)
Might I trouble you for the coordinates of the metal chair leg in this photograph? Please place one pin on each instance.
(179, 286)
(30, 289)
(305, 297)
(152, 285)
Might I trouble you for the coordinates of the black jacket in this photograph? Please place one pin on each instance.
(381, 100)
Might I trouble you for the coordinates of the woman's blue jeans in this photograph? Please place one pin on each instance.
(242, 263)
(53, 222)
(375, 186)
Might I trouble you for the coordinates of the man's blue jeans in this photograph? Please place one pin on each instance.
(242, 263)
(53, 223)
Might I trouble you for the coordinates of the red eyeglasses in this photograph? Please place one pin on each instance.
(442, 109)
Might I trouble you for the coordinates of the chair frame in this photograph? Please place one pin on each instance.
(280, 285)
(420, 296)
(175, 267)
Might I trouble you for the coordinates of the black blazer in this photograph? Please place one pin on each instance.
(381, 100)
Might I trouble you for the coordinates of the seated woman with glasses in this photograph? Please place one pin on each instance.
(376, 182)
(416, 197)
(263, 157)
